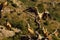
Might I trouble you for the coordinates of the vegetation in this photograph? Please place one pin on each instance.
(18, 18)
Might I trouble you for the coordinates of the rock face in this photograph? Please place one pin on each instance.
(16, 30)
(7, 33)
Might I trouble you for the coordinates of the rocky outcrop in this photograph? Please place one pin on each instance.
(7, 33)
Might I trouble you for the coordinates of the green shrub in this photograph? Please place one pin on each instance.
(55, 38)
(46, 23)
(40, 7)
(24, 1)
